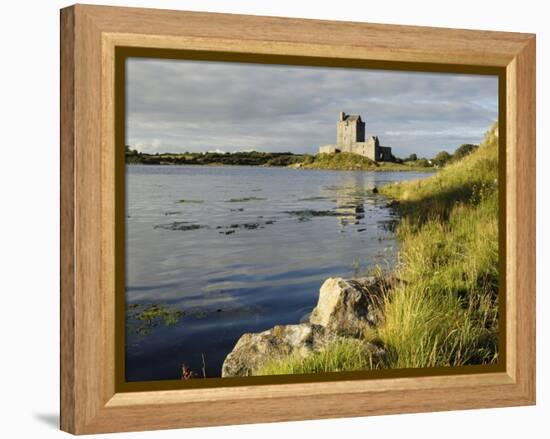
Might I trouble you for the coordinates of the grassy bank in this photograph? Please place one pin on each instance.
(345, 161)
(443, 310)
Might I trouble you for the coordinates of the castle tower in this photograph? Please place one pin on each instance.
(350, 129)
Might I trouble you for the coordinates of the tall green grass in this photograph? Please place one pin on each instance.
(443, 310)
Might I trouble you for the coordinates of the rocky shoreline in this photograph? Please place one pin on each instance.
(345, 310)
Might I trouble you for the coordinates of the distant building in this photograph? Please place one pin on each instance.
(350, 137)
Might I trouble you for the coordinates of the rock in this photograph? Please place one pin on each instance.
(253, 349)
(347, 307)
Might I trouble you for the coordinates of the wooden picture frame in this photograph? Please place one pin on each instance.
(90, 37)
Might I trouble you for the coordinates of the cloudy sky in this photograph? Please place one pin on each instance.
(195, 106)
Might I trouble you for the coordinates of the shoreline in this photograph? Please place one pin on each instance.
(437, 308)
(222, 165)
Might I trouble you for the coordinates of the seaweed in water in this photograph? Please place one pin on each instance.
(200, 315)
(308, 214)
(180, 226)
(142, 318)
(244, 199)
(320, 198)
(245, 226)
(190, 201)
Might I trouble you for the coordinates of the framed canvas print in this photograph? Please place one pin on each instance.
(268, 219)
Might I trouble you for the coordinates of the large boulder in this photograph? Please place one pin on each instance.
(345, 309)
(348, 307)
(253, 349)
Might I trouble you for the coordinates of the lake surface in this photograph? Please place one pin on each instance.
(247, 249)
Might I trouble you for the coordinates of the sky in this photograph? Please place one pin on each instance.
(197, 106)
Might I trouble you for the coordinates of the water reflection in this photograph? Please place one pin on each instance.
(351, 196)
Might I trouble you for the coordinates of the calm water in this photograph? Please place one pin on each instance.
(249, 249)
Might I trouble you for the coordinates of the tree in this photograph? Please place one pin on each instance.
(131, 152)
(412, 158)
(464, 150)
(424, 163)
(442, 158)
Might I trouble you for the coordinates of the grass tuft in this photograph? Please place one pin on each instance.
(340, 355)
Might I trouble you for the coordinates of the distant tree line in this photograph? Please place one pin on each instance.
(441, 159)
(248, 158)
(256, 158)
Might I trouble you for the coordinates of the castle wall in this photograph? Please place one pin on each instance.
(384, 154)
(366, 149)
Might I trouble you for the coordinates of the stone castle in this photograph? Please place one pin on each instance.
(350, 137)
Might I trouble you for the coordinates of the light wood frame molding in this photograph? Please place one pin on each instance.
(89, 36)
